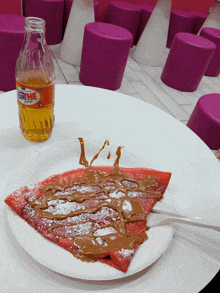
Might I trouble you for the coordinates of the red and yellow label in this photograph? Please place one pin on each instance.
(35, 97)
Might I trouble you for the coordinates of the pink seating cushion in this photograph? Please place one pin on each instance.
(52, 12)
(104, 55)
(125, 15)
(11, 39)
(180, 21)
(205, 120)
(187, 61)
(213, 35)
(199, 18)
(146, 11)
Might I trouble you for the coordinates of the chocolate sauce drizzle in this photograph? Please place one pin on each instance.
(114, 191)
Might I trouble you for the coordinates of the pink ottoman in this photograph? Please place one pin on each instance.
(213, 35)
(146, 11)
(205, 120)
(187, 61)
(67, 8)
(199, 18)
(52, 12)
(11, 39)
(125, 15)
(104, 55)
(180, 21)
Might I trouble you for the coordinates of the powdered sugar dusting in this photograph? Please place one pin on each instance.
(84, 188)
(117, 194)
(61, 207)
(126, 252)
(84, 222)
(105, 231)
(127, 206)
(132, 193)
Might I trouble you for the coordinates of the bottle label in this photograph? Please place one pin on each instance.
(35, 97)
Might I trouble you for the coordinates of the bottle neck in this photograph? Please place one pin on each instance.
(34, 54)
(34, 41)
(34, 34)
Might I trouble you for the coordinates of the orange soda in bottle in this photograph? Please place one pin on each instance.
(35, 83)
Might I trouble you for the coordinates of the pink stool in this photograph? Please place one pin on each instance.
(146, 11)
(205, 120)
(67, 8)
(52, 12)
(213, 35)
(11, 40)
(199, 18)
(187, 61)
(125, 15)
(180, 21)
(104, 55)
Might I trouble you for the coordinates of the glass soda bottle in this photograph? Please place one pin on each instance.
(35, 83)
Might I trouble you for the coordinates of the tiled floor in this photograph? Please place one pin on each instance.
(143, 82)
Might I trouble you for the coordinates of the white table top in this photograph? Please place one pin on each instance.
(149, 136)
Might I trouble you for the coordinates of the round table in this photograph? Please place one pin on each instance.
(150, 138)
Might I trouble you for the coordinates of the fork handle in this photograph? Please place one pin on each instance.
(207, 223)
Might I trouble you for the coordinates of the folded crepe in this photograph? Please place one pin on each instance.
(97, 213)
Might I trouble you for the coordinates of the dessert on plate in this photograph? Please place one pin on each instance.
(97, 213)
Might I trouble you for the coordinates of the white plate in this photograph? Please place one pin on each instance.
(61, 261)
(63, 157)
